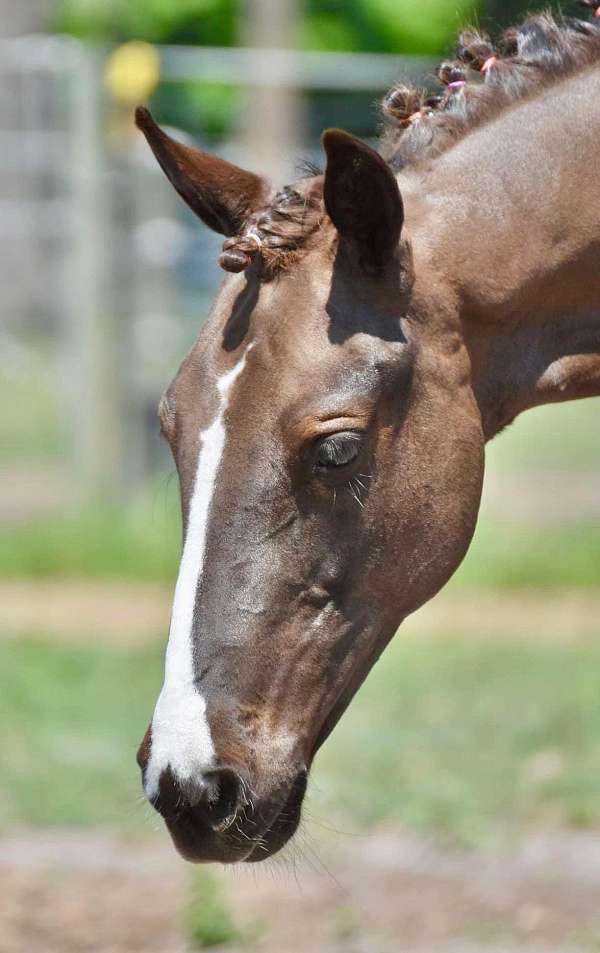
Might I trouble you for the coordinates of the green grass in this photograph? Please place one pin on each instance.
(31, 423)
(100, 540)
(70, 723)
(557, 437)
(514, 555)
(473, 742)
(470, 742)
(208, 920)
(141, 541)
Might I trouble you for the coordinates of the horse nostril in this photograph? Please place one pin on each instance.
(215, 797)
(223, 797)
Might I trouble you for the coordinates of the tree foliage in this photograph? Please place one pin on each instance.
(389, 25)
(203, 22)
(398, 26)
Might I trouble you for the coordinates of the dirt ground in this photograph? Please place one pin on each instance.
(89, 892)
(388, 892)
(538, 496)
(134, 613)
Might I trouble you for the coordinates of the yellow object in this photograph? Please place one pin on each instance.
(132, 72)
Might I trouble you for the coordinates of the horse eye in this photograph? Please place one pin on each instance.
(338, 450)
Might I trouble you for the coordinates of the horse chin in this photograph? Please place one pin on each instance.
(200, 845)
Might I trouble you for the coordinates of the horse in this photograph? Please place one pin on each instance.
(378, 323)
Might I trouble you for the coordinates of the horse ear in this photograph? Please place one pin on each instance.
(362, 197)
(221, 194)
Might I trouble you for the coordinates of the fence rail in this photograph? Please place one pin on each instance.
(291, 68)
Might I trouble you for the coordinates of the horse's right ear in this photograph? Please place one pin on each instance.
(220, 193)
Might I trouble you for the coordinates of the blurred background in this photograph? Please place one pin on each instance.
(457, 805)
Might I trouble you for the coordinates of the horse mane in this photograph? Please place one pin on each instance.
(483, 81)
(526, 60)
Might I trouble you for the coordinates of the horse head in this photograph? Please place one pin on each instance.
(325, 495)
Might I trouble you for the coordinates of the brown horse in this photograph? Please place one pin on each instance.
(382, 322)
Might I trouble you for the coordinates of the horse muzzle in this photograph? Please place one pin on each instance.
(218, 817)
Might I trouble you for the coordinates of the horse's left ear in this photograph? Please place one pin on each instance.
(362, 197)
(220, 193)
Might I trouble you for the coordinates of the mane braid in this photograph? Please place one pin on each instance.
(483, 81)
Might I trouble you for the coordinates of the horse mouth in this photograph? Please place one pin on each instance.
(284, 825)
(247, 841)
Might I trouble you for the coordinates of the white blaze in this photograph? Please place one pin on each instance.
(181, 736)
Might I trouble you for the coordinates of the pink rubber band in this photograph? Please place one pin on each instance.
(458, 84)
(491, 61)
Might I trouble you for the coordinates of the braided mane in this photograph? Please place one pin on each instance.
(483, 81)
(526, 60)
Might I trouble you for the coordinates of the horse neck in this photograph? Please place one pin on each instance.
(516, 206)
